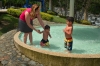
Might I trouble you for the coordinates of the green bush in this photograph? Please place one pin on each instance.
(85, 22)
(14, 12)
(46, 16)
(17, 12)
(51, 12)
(22, 9)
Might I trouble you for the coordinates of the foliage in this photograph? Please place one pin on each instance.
(94, 8)
(51, 12)
(58, 19)
(46, 16)
(14, 12)
(85, 22)
(17, 12)
(22, 9)
(62, 16)
(12, 23)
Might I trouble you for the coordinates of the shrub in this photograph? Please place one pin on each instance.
(17, 12)
(22, 9)
(46, 16)
(85, 22)
(51, 12)
(14, 12)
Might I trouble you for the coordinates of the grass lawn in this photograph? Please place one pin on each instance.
(7, 23)
(59, 19)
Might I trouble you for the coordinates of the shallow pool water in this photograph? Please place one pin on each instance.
(86, 39)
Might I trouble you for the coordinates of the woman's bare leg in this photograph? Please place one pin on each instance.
(30, 37)
(25, 37)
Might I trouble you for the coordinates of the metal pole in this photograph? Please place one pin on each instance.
(71, 13)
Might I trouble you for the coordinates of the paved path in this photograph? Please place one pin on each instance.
(3, 10)
(9, 55)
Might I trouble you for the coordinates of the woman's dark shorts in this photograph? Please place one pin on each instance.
(23, 27)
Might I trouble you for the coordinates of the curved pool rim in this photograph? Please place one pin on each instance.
(55, 58)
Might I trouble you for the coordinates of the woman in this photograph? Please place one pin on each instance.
(25, 21)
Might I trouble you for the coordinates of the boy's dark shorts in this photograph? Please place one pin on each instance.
(70, 42)
(43, 42)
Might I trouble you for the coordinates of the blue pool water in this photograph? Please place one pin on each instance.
(86, 39)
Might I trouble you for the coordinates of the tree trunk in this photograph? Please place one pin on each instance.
(85, 14)
(86, 9)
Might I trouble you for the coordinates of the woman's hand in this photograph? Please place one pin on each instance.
(38, 31)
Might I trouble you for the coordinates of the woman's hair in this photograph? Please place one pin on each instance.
(34, 8)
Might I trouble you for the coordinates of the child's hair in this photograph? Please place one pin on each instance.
(47, 27)
(70, 19)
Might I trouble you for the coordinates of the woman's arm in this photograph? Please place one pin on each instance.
(27, 18)
(40, 20)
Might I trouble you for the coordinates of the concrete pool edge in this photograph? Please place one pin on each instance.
(54, 58)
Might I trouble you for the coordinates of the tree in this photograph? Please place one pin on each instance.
(86, 7)
(95, 7)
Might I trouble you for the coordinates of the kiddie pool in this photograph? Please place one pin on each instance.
(85, 52)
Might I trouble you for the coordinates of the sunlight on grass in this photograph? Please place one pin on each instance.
(58, 19)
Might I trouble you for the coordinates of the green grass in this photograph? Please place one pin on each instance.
(59, 19)
(6, 18)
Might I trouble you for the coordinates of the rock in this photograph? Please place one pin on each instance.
(19, 59)
(4, 62)
(14, 48)
(41, 64)
(2, 37)
(9, 53)
(11, 63)
(1, 55)
(23, 65)
(33, 63)
(12, 44)
(7, 45)
(23, 56)
(26, 59)
(18, 56)
(19, 53)
(14, 53)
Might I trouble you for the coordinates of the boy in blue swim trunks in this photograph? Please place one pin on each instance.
(68, 34)
(46, 33)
